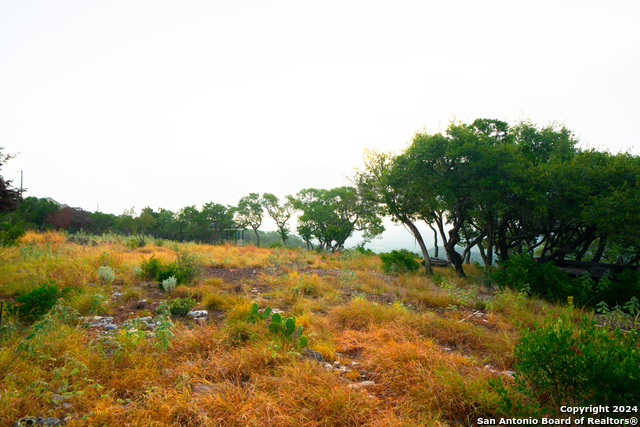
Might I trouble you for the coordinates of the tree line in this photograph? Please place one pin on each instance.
(327, 217)
(500, 188)
(510, 189)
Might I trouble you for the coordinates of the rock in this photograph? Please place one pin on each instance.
(198, 313)
(361, 384)
(146, 319)
(313, 355)
(96, 321)
(38, 421)
(110, 327)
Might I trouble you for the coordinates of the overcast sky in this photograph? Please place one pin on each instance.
(176, 103)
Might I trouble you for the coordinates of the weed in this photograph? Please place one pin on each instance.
(169, 283)
(37, 302)
(181, 306)
(106, 274)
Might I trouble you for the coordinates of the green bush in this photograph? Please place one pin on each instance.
(523, 273)
(184, 269)
(37, 302)
(564, 364)
(181, 306)
(9, 234)
(401, 261)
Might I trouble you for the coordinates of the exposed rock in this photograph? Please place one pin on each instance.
(313, 355)
(110, 327)
(198, 313)
(96, 321)
(361, 384)
(38, 421)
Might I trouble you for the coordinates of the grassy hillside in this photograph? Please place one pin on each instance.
(401, 350)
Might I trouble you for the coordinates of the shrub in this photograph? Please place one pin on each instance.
(37, 302)
(559, 365)
(9, 234)
(106, 274)
(183, 270)
(169, 284)
(181, 306)
(523, 273)
(151, 268)
(401, 261)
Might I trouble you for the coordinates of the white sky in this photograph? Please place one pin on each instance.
(174, 103)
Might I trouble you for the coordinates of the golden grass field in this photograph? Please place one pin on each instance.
(407, 350)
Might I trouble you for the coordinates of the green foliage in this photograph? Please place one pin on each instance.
(37, 302)
(181, 306)
(255, 315)
(331, 216)
(169, 284)
(399, 261)
(523, 273)
(183, 270)
(283, 328)
(9, 234)
(106, 274)
(163, 330)
(286, 330)
(561, 364)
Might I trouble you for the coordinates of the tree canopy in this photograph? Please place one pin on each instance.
(511, 188)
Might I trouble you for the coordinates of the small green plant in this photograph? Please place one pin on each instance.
(575, 365)
(347, 278)
(255, 315)
(183, 270)
(37, 302)
(181, 306)
(285, 327)
(163, 331)
(106, 274)
(399, 261)
(169, 283)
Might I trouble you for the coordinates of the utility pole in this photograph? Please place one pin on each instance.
(21, 184)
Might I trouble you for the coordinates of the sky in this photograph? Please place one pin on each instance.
(118, 104)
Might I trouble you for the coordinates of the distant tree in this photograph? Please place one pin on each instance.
(249, 213)
(147, 220)
(33, 212)
(102, 222)
(331, 216)
(70, 219)
(218, 218)
(10, 198)
(126, 222)
(280, 213)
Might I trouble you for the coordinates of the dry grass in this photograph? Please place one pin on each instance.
(418, 341)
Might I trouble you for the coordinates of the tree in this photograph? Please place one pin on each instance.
(218, 218)
(33, 212)
(249, 213)
(385, 181)
(280, 213)
(331, 216)
(10, 198)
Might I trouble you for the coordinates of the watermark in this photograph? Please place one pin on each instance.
(597, 415)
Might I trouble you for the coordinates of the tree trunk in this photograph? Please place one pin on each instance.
(257, 236)
(425, 253)
(435, 240)
(449, 246)
(601, 244)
